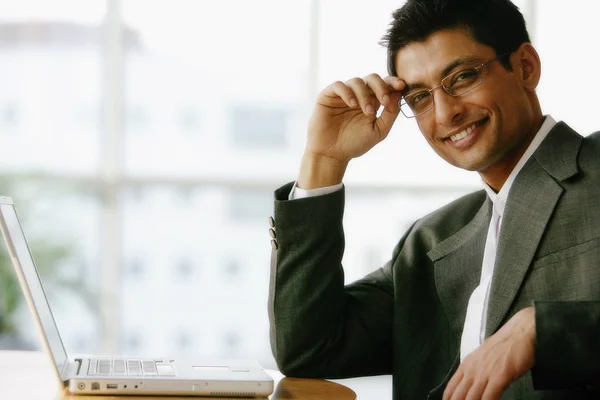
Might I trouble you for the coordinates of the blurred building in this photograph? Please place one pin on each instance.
(189, 282)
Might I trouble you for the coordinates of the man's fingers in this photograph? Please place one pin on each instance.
(502, 358)
(494, 389)
(453, 383)
(380, 88)
(396, 86)
(366, 98)
(395, 83)
(476, 390)
(369, 94)
(345, 93)
(460, 393)
(388, 116)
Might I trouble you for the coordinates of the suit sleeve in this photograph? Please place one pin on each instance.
(567, 345)
(319, 327)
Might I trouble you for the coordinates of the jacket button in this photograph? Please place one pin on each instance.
(271, 222)
(274, 244)
(272, 233)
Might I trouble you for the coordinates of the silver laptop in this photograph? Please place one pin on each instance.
(124, 375)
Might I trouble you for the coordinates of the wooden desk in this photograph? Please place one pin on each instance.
(29, 376)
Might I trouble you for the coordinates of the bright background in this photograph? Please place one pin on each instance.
(142, 141)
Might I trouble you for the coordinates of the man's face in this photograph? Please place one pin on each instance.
(498, 111)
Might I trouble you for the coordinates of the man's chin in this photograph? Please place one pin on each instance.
(474, 164)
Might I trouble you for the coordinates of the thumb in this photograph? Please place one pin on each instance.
(388, 116)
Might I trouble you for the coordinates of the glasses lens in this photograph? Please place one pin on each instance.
(462, 81)
(417, 103)
(406, 110)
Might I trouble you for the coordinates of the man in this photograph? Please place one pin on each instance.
(495, 295)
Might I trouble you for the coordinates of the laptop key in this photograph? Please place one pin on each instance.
(148, 367)
(165, 370)
(104, 367)
(93, 367)
(119, 367)
(134, 368)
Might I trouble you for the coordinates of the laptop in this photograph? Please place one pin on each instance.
(123, 375)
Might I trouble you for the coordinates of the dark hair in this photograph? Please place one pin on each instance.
(495, 23)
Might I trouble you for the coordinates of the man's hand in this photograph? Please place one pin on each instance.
(344, 125)
(500, 360)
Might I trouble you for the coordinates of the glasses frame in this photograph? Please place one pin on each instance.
(448, 90)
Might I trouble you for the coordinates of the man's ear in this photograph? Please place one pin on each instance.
(527, 65)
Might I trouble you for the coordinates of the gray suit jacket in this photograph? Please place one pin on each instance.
(406, 318)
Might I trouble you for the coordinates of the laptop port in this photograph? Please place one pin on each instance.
(111, 385)
(95, 386)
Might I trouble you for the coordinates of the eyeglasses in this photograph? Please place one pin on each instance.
(456, 84)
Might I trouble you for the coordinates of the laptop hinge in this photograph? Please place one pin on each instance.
(72, 369)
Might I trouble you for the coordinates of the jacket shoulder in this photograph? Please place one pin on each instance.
(588, 159)
(449, 219)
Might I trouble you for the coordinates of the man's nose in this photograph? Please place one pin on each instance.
(448, 108)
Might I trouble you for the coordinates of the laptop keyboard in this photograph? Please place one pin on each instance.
(130, 367)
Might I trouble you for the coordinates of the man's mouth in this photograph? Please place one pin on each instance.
(464, 133)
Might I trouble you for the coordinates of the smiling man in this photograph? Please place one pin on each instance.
(496, 295)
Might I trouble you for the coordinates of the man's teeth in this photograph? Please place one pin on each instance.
(464, 133)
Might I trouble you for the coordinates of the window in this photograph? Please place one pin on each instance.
(189, 120)
(87, 117)
(232, 269)
(181, 176)
(250, 205)
(185, 269)
(184, 341)
(10, 116)
(133, 343)
(137, 119)
(259, 127)
(136, 269)
(231, 341)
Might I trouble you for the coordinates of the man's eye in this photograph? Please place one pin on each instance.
(467, 75)
(419, 97)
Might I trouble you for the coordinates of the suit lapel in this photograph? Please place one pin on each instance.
(524, 221)
(530, 205)
(457, 265)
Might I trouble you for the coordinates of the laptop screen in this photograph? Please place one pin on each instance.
(19, 244)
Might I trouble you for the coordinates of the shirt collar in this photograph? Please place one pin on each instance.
(499, 199)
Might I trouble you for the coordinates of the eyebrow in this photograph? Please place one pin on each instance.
(445, 72)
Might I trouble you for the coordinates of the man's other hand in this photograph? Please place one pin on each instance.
(499, 361)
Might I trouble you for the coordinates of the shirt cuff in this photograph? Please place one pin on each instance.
(297, 193)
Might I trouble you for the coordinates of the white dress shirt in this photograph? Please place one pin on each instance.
(475, 322)
(297, 193)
